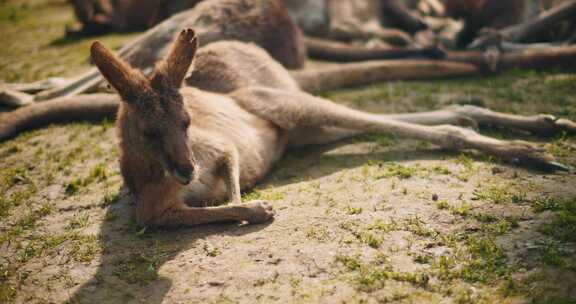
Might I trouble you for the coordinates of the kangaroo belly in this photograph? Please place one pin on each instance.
(258, 155)
(221, 125)
(257, 150)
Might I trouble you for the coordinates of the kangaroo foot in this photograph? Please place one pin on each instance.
(516, 151)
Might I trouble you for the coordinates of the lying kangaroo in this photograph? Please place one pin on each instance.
(264, 22)
(184, 147)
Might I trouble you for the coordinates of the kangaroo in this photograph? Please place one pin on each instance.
(184, 147)
(264, 22)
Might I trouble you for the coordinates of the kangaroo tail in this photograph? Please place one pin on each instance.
(75, 108)
(363, 73)
(338, 51)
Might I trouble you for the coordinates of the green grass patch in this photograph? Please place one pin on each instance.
(397, 170)
(353, 210)
(268, 195)
(373, 275)
(498, 194)
(97, 174)
(140, 268)
(479, 260)
(563, 226)
(362, 234)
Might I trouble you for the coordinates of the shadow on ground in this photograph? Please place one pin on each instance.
(130, 258)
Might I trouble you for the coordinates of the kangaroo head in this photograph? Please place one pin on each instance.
(154, 105)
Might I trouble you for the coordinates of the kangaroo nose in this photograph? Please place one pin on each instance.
(184, 174)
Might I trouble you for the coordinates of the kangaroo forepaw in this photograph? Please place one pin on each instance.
(259, 212)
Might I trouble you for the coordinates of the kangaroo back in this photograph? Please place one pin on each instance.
(226, 66)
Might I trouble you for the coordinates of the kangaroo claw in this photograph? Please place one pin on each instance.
(560, 167)
(532, 156)
(543, 164)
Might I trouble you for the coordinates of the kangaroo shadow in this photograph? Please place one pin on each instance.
(131, 256)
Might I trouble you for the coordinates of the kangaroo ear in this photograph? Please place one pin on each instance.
(127, 81)
(172, 70)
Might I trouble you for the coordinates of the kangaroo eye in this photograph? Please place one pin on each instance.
(185, 125)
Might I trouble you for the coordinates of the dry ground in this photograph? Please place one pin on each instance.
(375, 219)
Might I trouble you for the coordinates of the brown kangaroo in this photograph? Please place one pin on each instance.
(264, 22)
(184, 147)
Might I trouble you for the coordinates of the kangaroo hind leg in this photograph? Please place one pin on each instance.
(293, 110)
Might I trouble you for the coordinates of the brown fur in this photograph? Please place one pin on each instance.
(185, 147)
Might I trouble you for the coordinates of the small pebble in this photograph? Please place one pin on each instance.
(434, 197)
